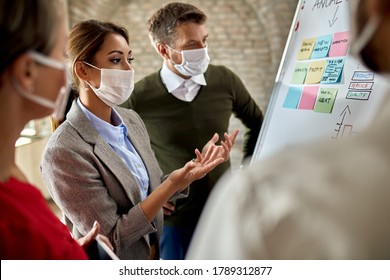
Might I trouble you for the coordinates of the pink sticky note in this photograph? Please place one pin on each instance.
(308, 99)
(340, 44)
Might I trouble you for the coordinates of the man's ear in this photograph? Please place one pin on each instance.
(162, 49)
(23, 70)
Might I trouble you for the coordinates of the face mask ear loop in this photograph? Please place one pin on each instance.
(47, 61)
(367, 33)
(177, 52)
(173, 49)
(29, 94)
(93, 66)
(87, 85)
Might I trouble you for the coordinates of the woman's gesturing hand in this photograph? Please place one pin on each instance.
(225, 147)
(212, 155)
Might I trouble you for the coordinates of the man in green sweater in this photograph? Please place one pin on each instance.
(182, 105)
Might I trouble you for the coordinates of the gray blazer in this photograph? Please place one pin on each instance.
(90, 182)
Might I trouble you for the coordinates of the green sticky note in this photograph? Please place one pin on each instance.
(325, 100)
(300, 72)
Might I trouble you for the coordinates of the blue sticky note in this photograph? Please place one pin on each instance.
(292, 98)
(333, 71)
(322, 47)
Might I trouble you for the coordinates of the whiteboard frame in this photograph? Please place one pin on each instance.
(271, 103)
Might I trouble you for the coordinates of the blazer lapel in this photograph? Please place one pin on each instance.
(140, 141)
(104, 152)
(120, 170)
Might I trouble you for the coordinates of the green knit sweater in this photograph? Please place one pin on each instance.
(177, 128)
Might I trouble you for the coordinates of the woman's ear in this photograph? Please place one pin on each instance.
(23, 70)
(80, 70)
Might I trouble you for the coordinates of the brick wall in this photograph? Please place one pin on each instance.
(248, 36)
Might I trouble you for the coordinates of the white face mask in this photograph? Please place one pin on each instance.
(59, 105)
(116, 85)
(193, 62)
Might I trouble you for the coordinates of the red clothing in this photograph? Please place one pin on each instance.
(29, 229)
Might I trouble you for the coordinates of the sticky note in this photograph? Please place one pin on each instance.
(306, 49)
(316, 70)
(292, 98)
(322, 47)
(325, 100)
(300, 72)
(340, 44)
(308, 99)
(333, 70)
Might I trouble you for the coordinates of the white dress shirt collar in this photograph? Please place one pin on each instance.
(181, 88)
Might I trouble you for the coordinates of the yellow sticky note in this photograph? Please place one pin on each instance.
(306, 48)
(316, 71)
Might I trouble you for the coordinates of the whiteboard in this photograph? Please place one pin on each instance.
(320, 90)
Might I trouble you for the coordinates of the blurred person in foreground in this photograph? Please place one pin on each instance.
(32, 85)
(329, 202)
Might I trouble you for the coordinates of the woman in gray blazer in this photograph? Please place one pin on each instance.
(99, 165)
